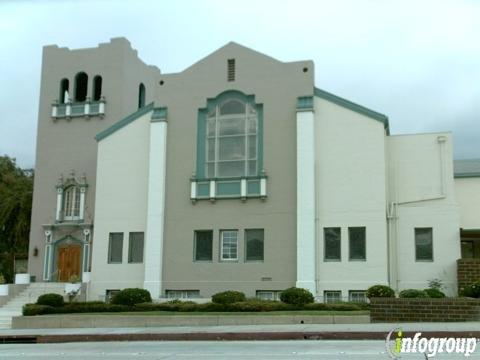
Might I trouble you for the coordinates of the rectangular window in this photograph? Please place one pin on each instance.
(332, 296)
(423, 244)
(468, 250)
(268, 295)
(109, 294)
(332, 241)
(115, 248)
(359, 296)
(229, 244)
(254, 241)
(203, 245)
(357, 243)
(182, 294)
(135, 247)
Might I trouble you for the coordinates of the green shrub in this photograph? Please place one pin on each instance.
(296, 296)
(73, 308)
(380, 291)
(412, 293)
(434, 293)
(228, 297)
(54, 300)
(131, 297)
(472, 290)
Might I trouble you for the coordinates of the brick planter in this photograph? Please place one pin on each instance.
(468, 272)
(424, 310)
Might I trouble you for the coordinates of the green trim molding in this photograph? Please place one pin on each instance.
(460, 175)
(352, 106)
(158, 114)
(202, 128)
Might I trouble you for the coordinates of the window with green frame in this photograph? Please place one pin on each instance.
(229, 140)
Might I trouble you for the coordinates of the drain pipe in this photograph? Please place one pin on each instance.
(392, 214)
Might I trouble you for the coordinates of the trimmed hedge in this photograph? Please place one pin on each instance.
(72, 308)
(250, 305)
(51, 299)
(412, 293)
(228, 297)
(380, 291)
(296, 296)
(131, 297)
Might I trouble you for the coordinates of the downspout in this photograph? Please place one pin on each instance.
(392, 215)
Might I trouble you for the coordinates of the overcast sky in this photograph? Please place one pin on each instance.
(418, 62)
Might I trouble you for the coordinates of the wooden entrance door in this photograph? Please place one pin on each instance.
(68, 262)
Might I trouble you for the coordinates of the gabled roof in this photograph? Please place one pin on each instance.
(352, 106)
(466, 168)
(125, 121)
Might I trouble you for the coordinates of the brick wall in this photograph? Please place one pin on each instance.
(424, 310)
(468, 272)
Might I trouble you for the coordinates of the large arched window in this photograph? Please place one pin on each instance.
(81, 83)
(64, 84)
(231, 139)
(141, 95)
(97, 88)
(71, 203)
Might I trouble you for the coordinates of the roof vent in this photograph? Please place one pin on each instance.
(231, 70)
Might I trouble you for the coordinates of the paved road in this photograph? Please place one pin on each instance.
(209, 350)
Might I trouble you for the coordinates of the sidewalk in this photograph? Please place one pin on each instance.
(241, 332)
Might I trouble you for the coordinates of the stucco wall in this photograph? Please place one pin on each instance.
(120, 204)
(468, 196)
(350, 191)
(65, 145)
(417, 165)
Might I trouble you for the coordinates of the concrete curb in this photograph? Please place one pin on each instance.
(225, 336)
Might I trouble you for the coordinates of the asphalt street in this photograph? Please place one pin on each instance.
(211, 350)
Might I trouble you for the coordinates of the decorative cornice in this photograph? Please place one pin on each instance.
(159, 114)
(305, 103)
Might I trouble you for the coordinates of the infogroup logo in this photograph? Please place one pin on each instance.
(397, 344)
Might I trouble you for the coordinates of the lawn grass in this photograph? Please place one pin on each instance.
(237, 313)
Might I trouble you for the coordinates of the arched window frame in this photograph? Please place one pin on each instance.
(71, 203)
(204, 114)
(81, 90)
(64, 87)
(97, 88)
(71, 195)
(141, 95)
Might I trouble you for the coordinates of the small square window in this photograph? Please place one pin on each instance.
(115, 248)
(332, 296)
(254, 240)
(229, 245)
(135, 247)
(332, 244)
(423, 244)
(182, 294)
(273, 295)
(357, 243)
(358, 296)
(203, 245)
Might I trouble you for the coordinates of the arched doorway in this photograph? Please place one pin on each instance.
(69, 258)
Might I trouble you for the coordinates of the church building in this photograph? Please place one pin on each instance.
(237, 173)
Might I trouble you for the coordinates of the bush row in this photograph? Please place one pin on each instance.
(250, 305)
(386, 291)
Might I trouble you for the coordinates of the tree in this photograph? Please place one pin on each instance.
(16, 189)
